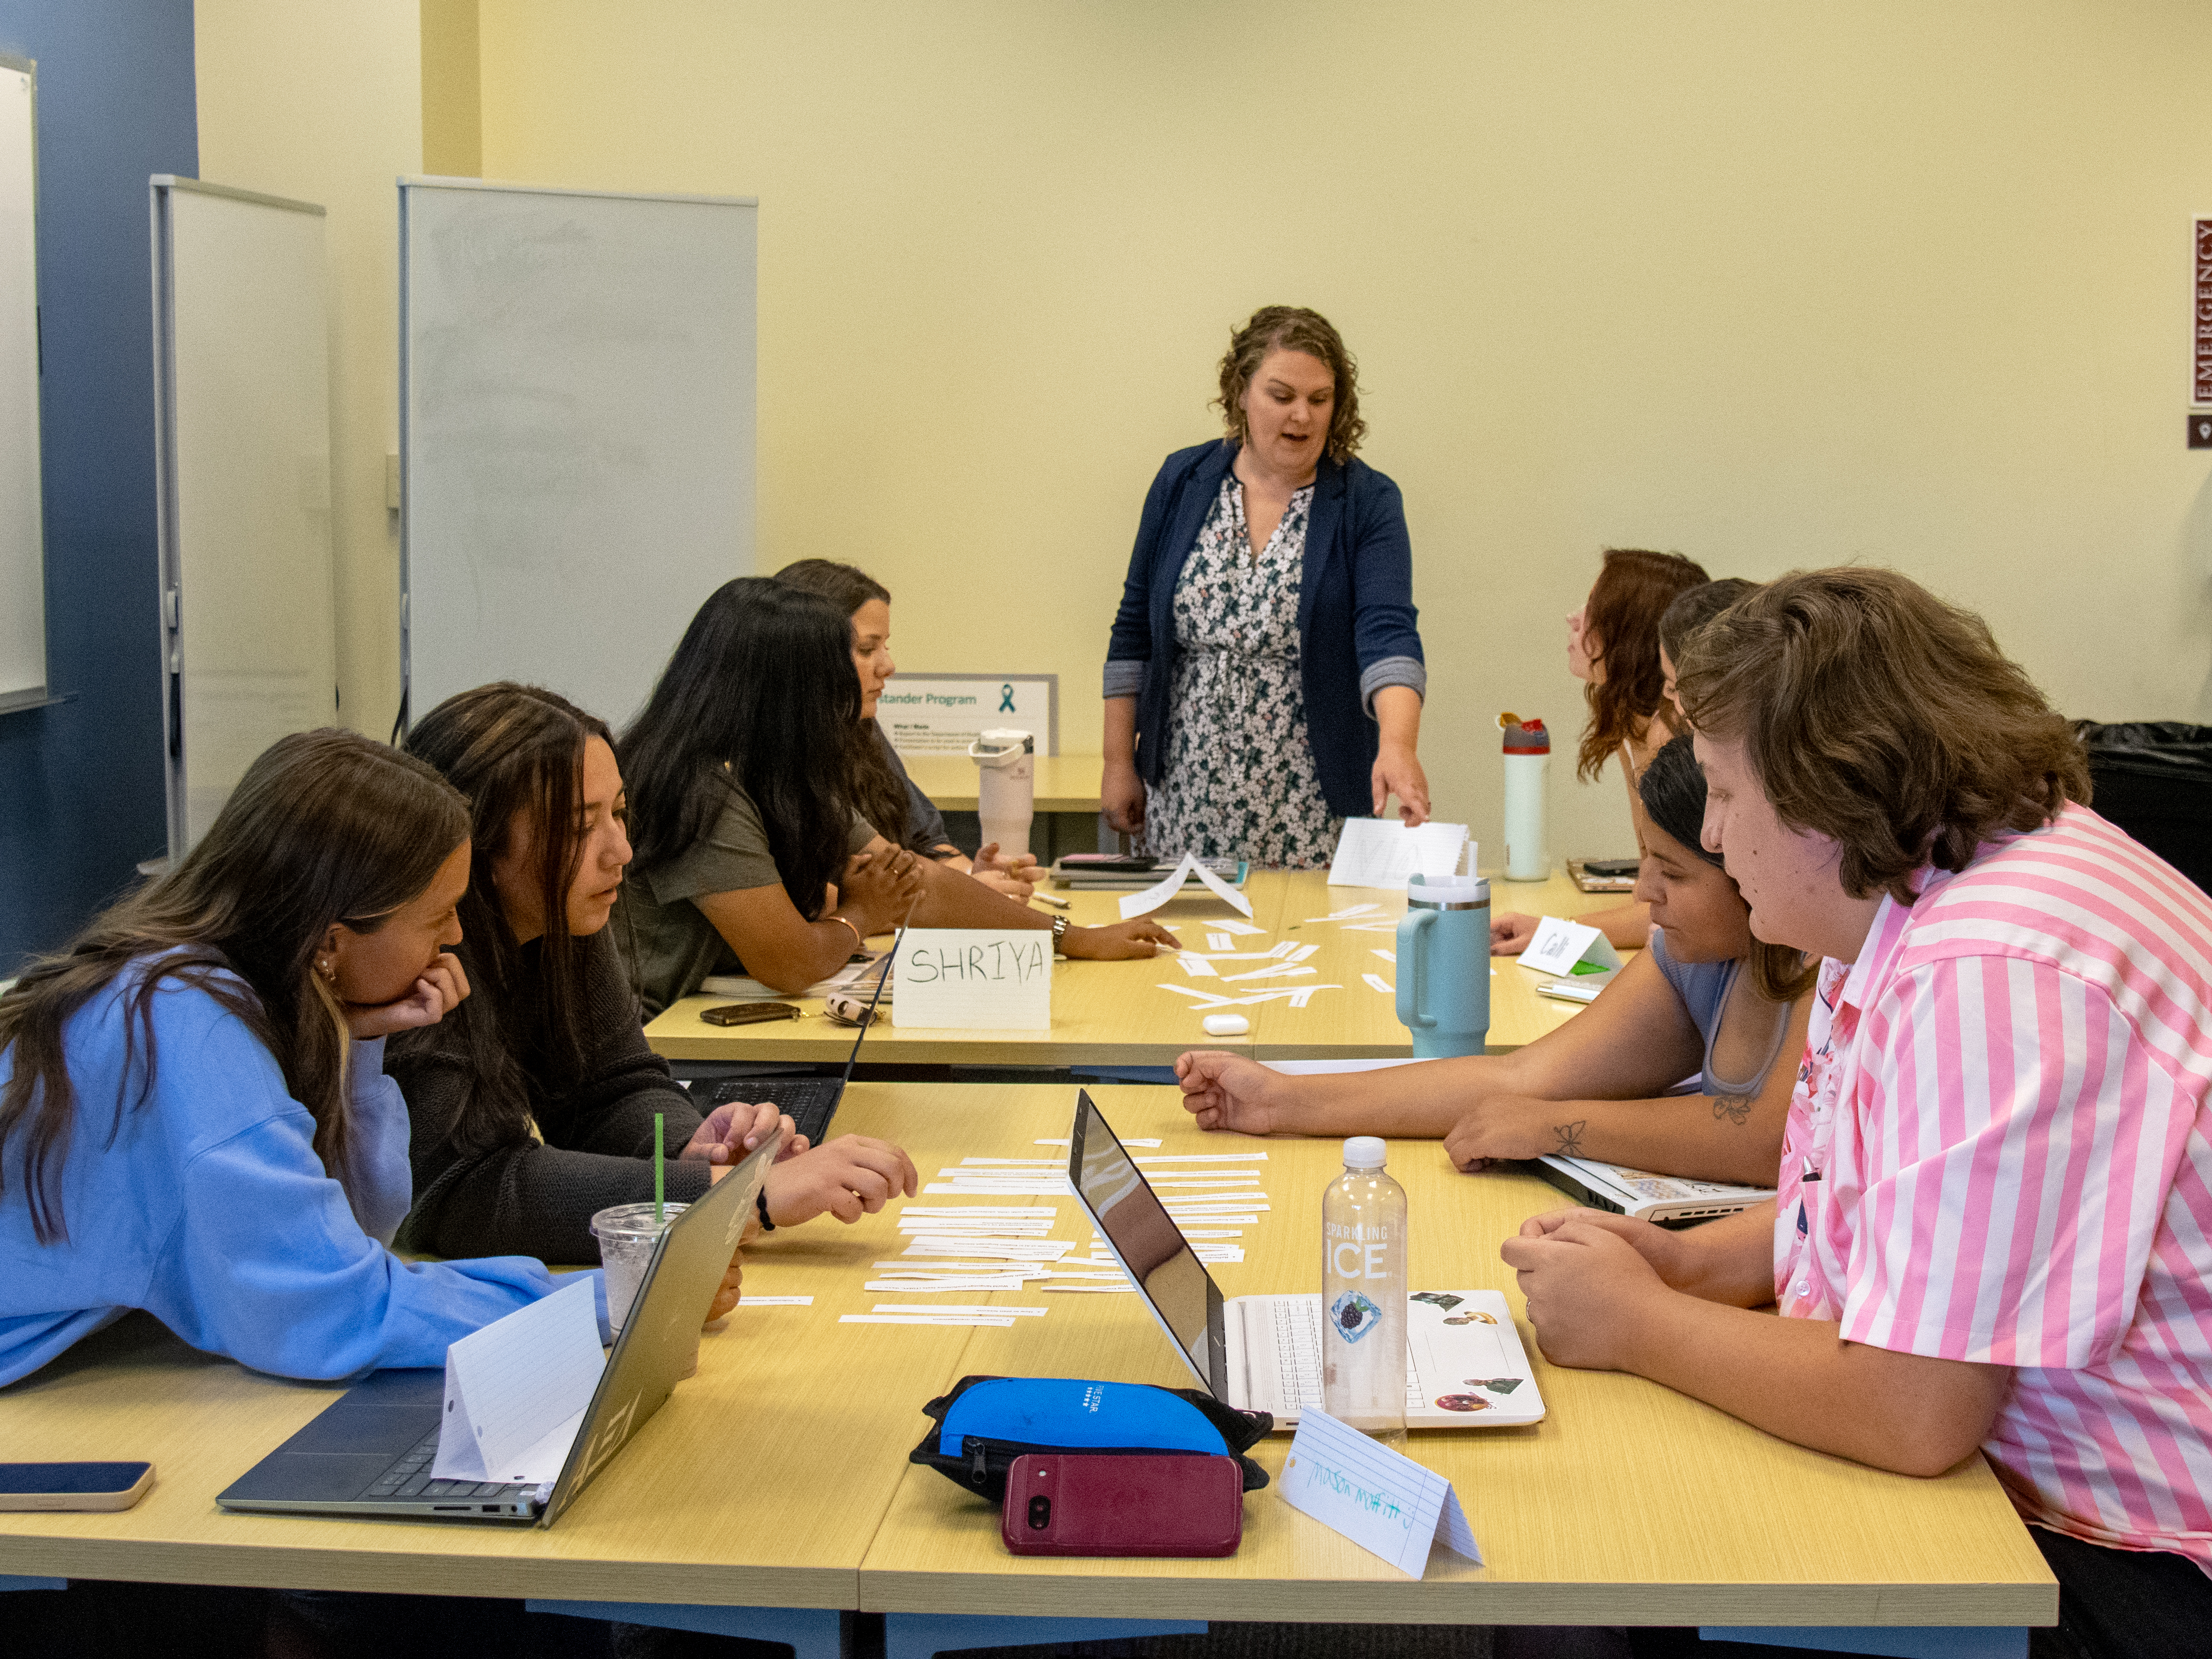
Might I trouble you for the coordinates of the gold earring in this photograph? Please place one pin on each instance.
(323, 967)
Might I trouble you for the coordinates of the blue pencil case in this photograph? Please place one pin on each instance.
(987, 1422)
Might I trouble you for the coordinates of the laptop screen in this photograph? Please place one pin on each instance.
(1145, 1237)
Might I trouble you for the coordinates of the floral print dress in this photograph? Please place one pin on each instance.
(1239, 779)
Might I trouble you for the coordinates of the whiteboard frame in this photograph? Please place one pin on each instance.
(407, 713)
(168, 506)
(41, 696)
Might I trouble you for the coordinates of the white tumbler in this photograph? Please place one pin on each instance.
(1527, 757)
(1006, 788)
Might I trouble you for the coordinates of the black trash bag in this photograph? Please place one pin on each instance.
(2154, 778)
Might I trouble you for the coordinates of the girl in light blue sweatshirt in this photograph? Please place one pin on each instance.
(194, 1118)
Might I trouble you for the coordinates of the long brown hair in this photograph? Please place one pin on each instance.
(1874, 714)
(1292, 328)
(1633, 589)
(517, 753)
(882, 799)
(326, 827)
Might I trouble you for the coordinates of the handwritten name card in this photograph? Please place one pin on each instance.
(1381, 1499)
(975, 979)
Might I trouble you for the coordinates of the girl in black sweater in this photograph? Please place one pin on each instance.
(535, 1111)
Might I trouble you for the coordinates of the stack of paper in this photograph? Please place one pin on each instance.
(1384, 853)
(736, 988)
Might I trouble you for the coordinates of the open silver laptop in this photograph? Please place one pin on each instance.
(1465, 1366)
(369, 1454)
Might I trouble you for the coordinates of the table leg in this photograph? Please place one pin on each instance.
(1898, 1642)
(813, 1632)
(921, 1635)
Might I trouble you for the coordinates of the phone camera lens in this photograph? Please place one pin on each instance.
(1040, 1513)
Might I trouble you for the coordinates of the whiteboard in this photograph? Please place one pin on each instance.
(22, 536)
(576, 433)
(242, 419)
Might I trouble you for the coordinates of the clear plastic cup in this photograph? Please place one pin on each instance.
(627, 1233)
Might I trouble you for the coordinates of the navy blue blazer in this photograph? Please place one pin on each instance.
(1356, 614)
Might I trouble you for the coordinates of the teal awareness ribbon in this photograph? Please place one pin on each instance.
(1006, 699)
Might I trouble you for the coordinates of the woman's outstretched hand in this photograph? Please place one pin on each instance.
(1124, 939)
(1398, 772)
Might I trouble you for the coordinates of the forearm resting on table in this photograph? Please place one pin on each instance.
(1798, 1379)
(1692, 1135)
(1411, 1103)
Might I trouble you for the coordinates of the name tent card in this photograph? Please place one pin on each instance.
(1384, 853)
(1381, 1499)
(975, 979)
(1160, 892)
(1569, 947)
(517, 1390)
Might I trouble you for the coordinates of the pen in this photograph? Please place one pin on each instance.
(1046, 898)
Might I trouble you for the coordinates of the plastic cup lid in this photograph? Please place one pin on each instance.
(1364, 1152)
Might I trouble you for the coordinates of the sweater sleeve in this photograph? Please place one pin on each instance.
(378, 1178)
(534, 1196)
(267, 1263)
(1384, 635)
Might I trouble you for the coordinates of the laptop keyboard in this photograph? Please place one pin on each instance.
(1297, 1320)
(411, 1477)
(808, 1101)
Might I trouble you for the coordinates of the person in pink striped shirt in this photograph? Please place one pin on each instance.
(1993, 1227)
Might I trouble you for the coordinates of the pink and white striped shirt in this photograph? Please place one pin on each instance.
(1997, 1151)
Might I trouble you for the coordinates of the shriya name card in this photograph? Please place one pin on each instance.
(975, 979)
(1384, 853)
(1569, 947)
(1381, 1499)
(517, 1390)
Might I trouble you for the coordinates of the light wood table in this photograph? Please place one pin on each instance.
(778, 1476)
(1628, 1504)
(1104, 1013)
(1065, 783)
(1358, 1022)
(760, 1483)
(1114, 1013)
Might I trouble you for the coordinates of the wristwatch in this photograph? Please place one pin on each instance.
(1058, 930)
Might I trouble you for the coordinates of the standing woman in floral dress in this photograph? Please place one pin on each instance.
(1264, 678)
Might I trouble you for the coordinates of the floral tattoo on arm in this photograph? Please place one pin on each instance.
(1736, 1109)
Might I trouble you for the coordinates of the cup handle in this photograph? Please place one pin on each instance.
(1411, 985)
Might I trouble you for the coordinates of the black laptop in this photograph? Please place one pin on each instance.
(809, 1102)
(369, 1454)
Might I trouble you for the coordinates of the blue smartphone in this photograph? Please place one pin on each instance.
(73, 1486)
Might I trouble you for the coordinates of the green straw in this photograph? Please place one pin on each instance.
(659, 1174)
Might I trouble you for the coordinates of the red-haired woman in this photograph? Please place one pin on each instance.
(1612, 648)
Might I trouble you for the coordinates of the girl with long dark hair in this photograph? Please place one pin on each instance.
(194, 1117)
(533, 1105)
(753, 855)
(1707, 1000)
(889, 799)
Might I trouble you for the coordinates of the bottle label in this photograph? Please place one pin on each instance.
(1354, 1315)
(1357, 1250)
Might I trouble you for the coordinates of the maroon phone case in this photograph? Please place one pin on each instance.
(1123, 1503)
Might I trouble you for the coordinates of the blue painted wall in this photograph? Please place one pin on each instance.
(80, 799)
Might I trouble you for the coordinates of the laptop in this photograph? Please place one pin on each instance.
(369, 1454)
(1465, 1366)
(1668, 1200)
(809, 1102)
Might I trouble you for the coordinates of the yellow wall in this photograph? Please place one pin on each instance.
(324, 103)
(1769, 285)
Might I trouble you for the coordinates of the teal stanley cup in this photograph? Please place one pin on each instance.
(1444, 966)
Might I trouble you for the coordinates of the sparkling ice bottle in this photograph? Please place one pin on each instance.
(1363, 1294)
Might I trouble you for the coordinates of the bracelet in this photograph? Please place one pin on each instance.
(760, 1203)
(859, 944)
